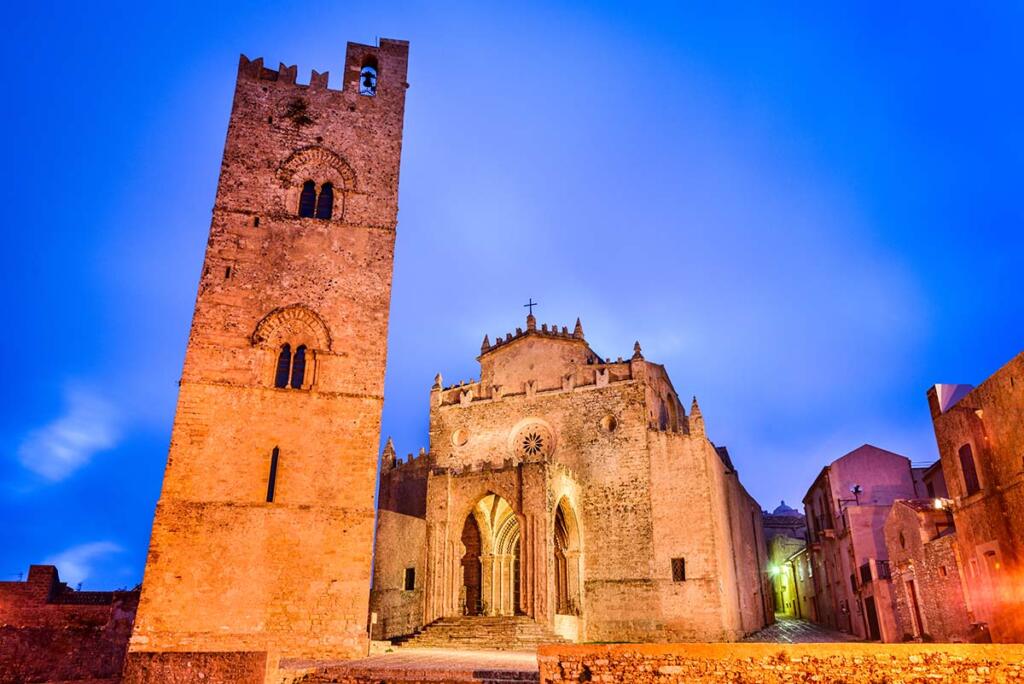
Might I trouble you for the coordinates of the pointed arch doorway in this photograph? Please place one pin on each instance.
(567, 561)
(491, 577)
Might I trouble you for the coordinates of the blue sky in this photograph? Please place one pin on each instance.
(809, 214)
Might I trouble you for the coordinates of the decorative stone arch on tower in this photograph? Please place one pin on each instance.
(320, 165)
(293, 327)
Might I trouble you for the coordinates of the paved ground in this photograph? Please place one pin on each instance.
(438, 664)
(788, 630)
(451, 665)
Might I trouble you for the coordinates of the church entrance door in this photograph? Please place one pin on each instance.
(471, 576)
(490, 564)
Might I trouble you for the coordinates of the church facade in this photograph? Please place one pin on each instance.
(572, 489)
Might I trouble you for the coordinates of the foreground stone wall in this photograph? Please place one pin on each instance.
(849, 663)
(233, 667)
(50, 633)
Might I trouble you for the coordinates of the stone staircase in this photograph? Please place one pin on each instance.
(480, 632)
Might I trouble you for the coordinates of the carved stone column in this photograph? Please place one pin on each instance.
(487, 584)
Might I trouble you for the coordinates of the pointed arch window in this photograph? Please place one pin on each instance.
(307, 200)
(284, 366)
(299, 367)
(325, 202)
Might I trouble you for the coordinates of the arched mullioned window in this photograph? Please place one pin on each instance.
(307, 200)
(284, 366)
(299, 367)
(289, 341)
(325, 202)
(313, 204)
(291, 368)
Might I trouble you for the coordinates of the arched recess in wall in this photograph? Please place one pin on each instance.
(491, 578)
(327, 172)
(290, 339)
(568, 560)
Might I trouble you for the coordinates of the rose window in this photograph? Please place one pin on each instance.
(533, 442)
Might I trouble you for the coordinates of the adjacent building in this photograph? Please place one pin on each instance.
(980, 436)
(927, 582)
(785, 531)
(846, 507)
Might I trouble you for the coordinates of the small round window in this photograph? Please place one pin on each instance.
(460, 437)
(609, 423)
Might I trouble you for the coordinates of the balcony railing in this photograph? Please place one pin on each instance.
(882, 571)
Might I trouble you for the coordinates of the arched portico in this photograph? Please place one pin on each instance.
(490, 578)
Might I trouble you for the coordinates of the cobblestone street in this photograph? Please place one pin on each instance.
(787, 630)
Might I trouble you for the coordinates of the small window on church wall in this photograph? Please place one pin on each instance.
(969, 469)
(307, 200)
(284, 367)
(678, 570)
(299, 367)
(368, 78)
(325, 202)
(410, 579)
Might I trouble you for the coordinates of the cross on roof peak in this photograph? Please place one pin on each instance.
(530, 305)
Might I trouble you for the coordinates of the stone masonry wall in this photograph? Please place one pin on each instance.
(776, 663)
(229, 570)
(49, 632)
(402, 543)
(989, 522)
(932, 563)
(196, 668)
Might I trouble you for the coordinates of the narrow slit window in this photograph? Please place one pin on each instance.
(307, 200)
(410, 579)
(325, 202)
(678, 570)
(272, 479)
(284, 366)
(299, 367)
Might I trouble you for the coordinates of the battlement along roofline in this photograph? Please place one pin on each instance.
(356, 55)
(544, 332)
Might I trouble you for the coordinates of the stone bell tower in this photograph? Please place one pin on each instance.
(263, 533)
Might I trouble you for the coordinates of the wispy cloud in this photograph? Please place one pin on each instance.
(77, 563)
(56, 450)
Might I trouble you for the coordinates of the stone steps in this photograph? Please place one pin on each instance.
(507, 633)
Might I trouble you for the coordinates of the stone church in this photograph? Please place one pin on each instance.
(573, 490)
(562, 488)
